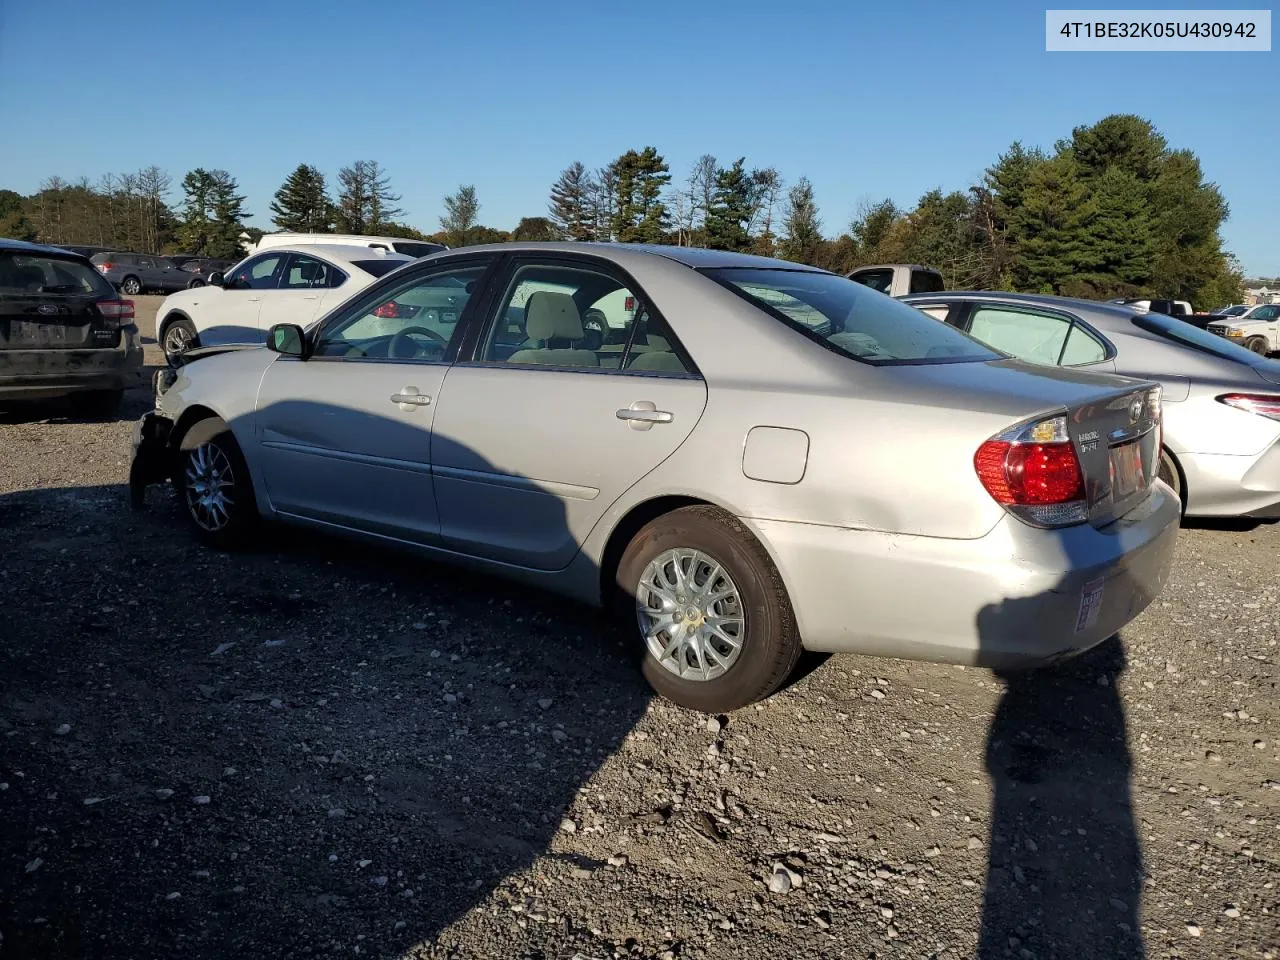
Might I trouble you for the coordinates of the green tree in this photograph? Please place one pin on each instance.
(572, 205)
(14, 222)
(732, 206)
(365, 201)
(302, 203)
(639, 215)
(195, 229)
(228, 216)
(535, 228)
(461, 215)
(1053, 224)
(801, 226)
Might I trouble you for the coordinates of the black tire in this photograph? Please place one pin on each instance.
(131, 286)
(96, 404)
(1258, 345)
(208, 453)
(769, 641)
(197, 282)
(176, 338)
(1171, 475)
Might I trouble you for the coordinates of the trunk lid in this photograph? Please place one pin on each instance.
(1110, 419)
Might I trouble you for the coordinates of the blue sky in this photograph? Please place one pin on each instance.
(867, 101)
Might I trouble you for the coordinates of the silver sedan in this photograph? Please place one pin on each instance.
(1221, 447)
(744, 457)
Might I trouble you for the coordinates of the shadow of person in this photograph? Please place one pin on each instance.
(353, 748)
(1064, 875)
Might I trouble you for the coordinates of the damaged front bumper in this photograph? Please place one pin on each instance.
(152, 459)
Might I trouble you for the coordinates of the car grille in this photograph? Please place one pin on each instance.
(1217, 328)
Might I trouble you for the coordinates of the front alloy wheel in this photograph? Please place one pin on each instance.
(209, 483)
(213, 485)
(690, 612)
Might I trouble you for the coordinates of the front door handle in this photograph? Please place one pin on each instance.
(410, 398)
(643, 414)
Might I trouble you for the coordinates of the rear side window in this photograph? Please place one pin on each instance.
(845, 317)
(926, 281)
(416, 248)
(24, 275)
(378, 268)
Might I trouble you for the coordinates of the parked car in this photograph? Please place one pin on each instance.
(1170, 308)
(203, 267)
(758, 467)
(414, 248)
(83, 249)
(1256, 329)
(899, 279)
(280, 285)
(135, 273)
(63, 331)
(1221, 447)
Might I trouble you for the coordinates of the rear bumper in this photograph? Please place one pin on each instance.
(1221, 485)
(1018, 597)
(42, 374)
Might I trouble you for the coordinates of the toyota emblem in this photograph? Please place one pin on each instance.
(1135, 410)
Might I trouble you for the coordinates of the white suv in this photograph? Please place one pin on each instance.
(414, 248)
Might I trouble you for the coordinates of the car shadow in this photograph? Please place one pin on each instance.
(1065, 866)
(312, 746)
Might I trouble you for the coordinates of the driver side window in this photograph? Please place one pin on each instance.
(411, 321)
(261, 273)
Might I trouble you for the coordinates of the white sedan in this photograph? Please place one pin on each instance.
(291, 284)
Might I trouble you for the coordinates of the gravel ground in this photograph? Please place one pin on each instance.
(317, 749)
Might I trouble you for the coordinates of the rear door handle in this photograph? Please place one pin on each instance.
(410, 398)
(643, 414)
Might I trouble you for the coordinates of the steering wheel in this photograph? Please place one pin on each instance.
(403, 342)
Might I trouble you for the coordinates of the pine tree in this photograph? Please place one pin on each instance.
(731, 209)
(461, 214)
(800, 225)
(302, 203)
(227, 205)
(571, 207)
(196, 227)
(639, 215)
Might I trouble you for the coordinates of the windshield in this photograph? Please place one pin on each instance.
(1202, 340)
(850, 318)
(378, 268)
(1233, 311)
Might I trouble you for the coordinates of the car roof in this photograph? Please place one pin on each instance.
(337, 252)
(892, 266)
(22, 246)
(1116, 311)
(695, 257)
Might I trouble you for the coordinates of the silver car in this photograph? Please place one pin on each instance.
(1221, 448)
(745, 457)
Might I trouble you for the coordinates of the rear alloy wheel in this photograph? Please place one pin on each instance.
(710, 611)
(1258, 345)
(132, 286)
(213, 484)
(96, 404)
(1168, 472)
(179, 337)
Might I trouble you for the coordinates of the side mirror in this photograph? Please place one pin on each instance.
(287, 339)
(216, 279)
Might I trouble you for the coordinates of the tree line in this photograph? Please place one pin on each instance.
(1112, 210)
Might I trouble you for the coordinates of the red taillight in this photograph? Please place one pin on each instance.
(1263, 404)
(388, 310)
(1030, 473)
(104, 267)
(629, 304)
(1035, 473)
(121, 311)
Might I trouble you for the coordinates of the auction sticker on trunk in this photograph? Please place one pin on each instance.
(1090, 604)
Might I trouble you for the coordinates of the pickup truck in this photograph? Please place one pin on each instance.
(1258, 328)
(899, 279)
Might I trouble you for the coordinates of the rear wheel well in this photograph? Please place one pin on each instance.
(1179, 475)
(625, 531)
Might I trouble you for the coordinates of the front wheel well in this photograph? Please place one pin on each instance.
(170, 318)
(190, 417)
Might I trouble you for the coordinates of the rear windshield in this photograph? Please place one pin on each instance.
(378, 268)
(850, 318)
(416, 249)
(24, 274)
(1192, 336)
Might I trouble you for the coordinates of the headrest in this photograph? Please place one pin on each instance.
(549, 316)
(657, 342)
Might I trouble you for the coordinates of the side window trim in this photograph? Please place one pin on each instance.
(501, 282)
(330, 271)
(371, 295)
